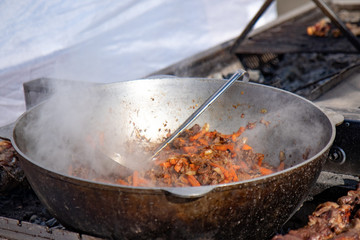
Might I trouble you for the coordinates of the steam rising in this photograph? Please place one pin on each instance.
(293, 129)
(70, 123)
(66, 128)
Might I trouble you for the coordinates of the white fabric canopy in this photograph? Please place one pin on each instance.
(106, 40)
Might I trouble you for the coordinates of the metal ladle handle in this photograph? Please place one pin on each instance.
(239, 74)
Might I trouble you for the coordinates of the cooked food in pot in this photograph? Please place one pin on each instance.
(199, 157)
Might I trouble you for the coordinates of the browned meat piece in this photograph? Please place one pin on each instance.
(331, 220)
(10, 172)
(352, 233)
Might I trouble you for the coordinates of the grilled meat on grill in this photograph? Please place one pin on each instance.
(330, 220)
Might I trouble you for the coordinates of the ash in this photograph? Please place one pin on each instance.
(22, 204)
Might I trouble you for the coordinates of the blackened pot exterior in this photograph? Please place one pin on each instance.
(246, 210)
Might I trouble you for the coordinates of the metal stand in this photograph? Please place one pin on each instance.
(320, 4)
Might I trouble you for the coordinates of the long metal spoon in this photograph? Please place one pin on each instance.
(239, 74)
(202, 108)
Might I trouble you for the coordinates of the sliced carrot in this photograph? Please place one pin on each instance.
(197, 135)
(184, 180)
(193, 181)
(173, 161)
(223, 170)
(194, 167)
(181, 140)
(184, 161)
(265, 171)
(190, 149)
(246, 147)
(224, 147)
(281, 166)
(233, 174)
(122, 182)
(224, 181)
(135, 178)
(211, 134)
(203, 142)
(227, 135)
(236, 167)
(234, 135)
(239, 132)
(260, 159)
(142, 182)
(178, 166)
(166, 164)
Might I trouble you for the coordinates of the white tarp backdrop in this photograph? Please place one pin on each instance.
(106, 40)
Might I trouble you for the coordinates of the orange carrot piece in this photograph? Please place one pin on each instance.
(203, 142)
(211, 134)
(246, 147)
(122, 182)
(190, 149)
(184, 180)
(236, 167)
(135, 178)
(197, 135)
(281, 166)
(234, 135)
(184, 161)
(178, 166)
(265, 171)
(173, 161)
(142, 182)
(260, 159)
(193, 181)
(223, 170)
(224, 147)
(240, 131)
(227, 135)
(166, 164)
(235, 178)
(193, 167)
(233, 175)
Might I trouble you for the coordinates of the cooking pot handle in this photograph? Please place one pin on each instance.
(7, 131)
(334, 117)
(189, 192)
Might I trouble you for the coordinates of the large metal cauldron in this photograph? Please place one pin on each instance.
(251, 209)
